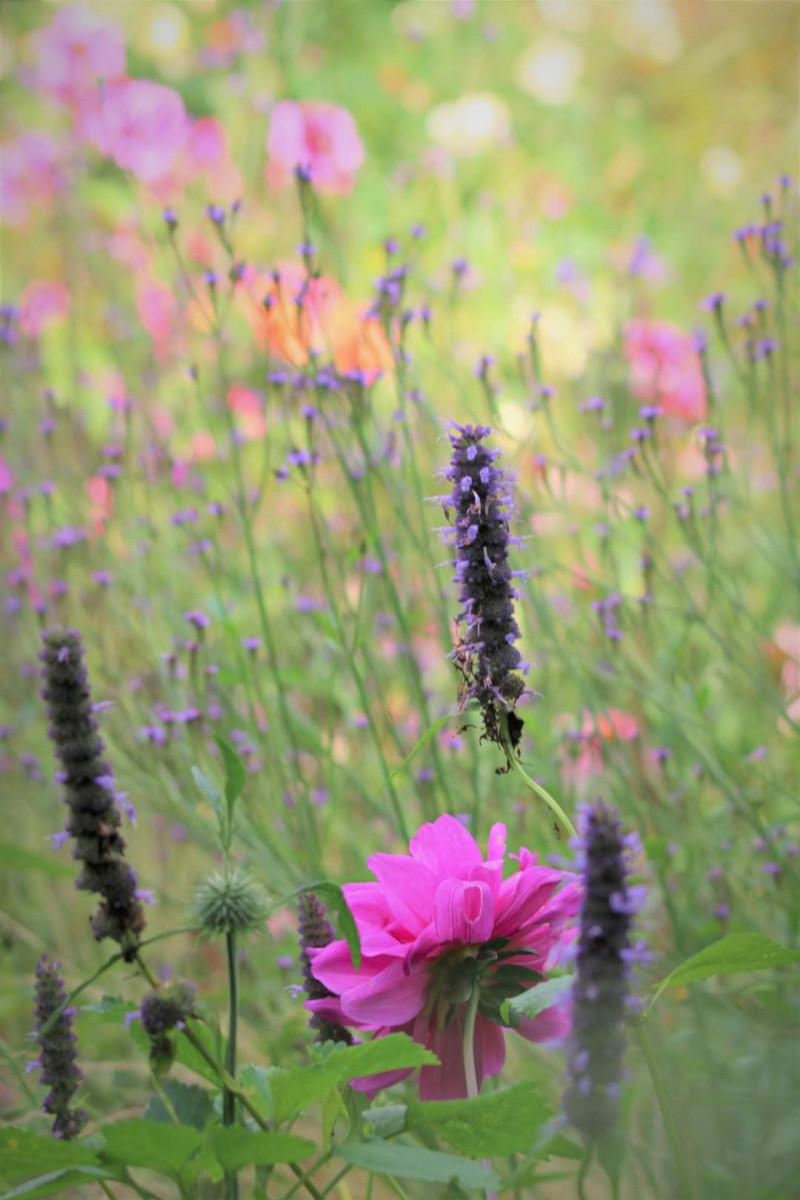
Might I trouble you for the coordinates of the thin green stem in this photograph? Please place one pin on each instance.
(562, 820)
(670, 1124)
(468, 1050)
(228, 1097)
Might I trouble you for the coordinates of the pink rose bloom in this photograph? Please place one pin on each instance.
(44, 302)
(436, 922)
(31, 175)
(321, 137)
(665, 368)
(142, 125)
(75, 49)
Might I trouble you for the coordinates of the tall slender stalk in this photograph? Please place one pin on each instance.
(664, 1103)
(228, 1097)
(468, 1047)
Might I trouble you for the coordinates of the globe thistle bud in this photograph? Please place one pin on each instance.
(231, 901)
(484, 654)
(315, 931)
(94, 817)
(601, 991)
(57, 1054)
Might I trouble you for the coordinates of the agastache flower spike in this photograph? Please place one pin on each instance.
(57, 1051)
(485, 654)
(601, 992)
(94, 817)
(315, 931)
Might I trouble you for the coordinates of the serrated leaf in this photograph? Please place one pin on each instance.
(298, 1087)
(536, 999)
(151, 1144)
(388, 1120)
(738, 953)
(24, 1153)
(334, 897)
(191, 1104)
(504, 1122)
(17, 858)
(235, 1148)
(54, 1182)
(413, 1162)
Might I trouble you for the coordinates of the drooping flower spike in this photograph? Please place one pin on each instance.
(438, 923)
(601, 993)
(94, 816)
(314, 932)
(484, 653)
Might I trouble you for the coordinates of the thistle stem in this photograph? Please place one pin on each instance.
(470, 1073)
(555, 808)
(670, 1124)
(228, 1097)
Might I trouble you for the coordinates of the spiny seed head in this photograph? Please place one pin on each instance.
(231, 901)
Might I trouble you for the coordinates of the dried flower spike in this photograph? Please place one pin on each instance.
(315, 931)
(601, 992)
(484, 654)
(94, 817)
(57, 1051)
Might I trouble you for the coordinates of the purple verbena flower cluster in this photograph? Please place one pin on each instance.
(314, 931)
(601, 993)
(94, 816)
(57, 1054)
(485, 655)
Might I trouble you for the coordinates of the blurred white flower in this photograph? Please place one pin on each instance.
(550, 69)
(470, 125)
(722, 170)
(649, 28)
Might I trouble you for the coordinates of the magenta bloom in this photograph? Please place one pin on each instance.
(142, 125)
(437, 923)
(77, 48)
(320, 137)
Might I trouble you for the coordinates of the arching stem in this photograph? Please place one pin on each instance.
(470, 1073)
(562, 820)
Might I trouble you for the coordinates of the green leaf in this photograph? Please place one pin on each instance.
(235, 1148)
(333, 896)
(735, 954)
(255, 1079)
(388, 1120)
(235, 773)
(58, 1181)
(192, 1105)
(17, 858)
(297, 1088)
(185, 1052)
(536, 999)
(210, 791)
(24, 1153)
(412, 1162)
(151, 1144)
(421, 744)
(504, 1122)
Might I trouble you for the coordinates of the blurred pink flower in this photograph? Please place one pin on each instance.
(665, 368)
(156, 307)
(608, 726)
(44, 302)
(31, 175)
(208, 154)
(250, 410)
(6, 477)
(437, 922)
(142, 125)
(321, 137)
(77, 48)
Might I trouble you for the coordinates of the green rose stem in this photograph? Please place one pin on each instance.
(469, 1059)
(662, 1095)
(229, 1084)
(555, 808)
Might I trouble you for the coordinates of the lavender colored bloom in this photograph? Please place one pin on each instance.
(601, 991)
(486, 656)
(57, 1055)
(94, 817)
(315, 931)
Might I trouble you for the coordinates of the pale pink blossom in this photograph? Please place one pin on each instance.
(612, 725)
(142, 125)
(437, 922)
(157, 308)
(665, 368)
(76, 49)
(44, 302)
(318, 136)
(31, 175)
